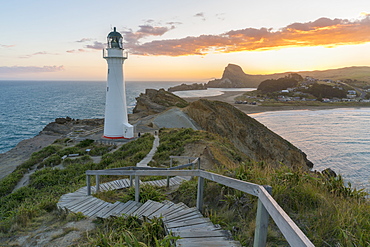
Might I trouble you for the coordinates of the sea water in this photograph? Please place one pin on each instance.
(27, 106)
(337, 138)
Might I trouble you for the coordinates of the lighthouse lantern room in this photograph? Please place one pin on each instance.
(116, 125)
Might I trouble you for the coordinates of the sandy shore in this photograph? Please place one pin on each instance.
(229, 97)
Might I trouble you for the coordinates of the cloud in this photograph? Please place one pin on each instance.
(6, 46)
(38, 53)
(144, 31)
(96, 46)
(30, 69)
(200, 15)
(221, 16)
(84, 40)
(76, 51)
(321, 32)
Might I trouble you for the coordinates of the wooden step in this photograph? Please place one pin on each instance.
(207, 243)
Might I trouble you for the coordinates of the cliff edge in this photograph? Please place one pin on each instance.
(247, 134)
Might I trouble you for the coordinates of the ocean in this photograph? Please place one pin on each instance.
(337, 138)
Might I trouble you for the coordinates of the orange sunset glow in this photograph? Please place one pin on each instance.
(183, 42)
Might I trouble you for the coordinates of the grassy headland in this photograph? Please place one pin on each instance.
(327, 211)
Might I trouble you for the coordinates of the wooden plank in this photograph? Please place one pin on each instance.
(103, 187)
(134, 208)
(163, 182)
(230, 243)
(187, 223)
(144, 207)
(126, 182)
(110, 186)
(106, 209)
(75, 206)
(130, 205)
(78, 208)
(159, 212)
(118, 210)
(155, 206)
(246, 187)
(71, 204)
(87, 207)
(96, 208)
(119, 184)
(109, 212)
(189, 216)
(209, 227)
(151, 172)
(200, 234)
(205, 239)
(185, 218)
(173, 209)
(181, 213)
(202, 225)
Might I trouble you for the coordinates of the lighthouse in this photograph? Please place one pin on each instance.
(116, 125)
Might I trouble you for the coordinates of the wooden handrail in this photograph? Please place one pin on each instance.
(266, 202)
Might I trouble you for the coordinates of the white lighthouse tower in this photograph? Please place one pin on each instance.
(116, 124)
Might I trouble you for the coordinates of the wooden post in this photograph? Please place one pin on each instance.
(199, 163)
(262, 221)
(88, 185)
(97, 178)
(200, 194)
(131, 183)
(168, 177)
(137, 188)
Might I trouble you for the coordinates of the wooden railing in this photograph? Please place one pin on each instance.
(267, 206)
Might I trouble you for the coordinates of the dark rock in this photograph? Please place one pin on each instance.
(156, 101)
(328, 172)
(186, 87)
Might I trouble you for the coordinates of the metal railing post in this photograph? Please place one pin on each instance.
(200, 194)
(97, 178)
(262, 221)
(137, 188)
(88, 185)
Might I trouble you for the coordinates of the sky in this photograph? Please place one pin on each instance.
(170, 40)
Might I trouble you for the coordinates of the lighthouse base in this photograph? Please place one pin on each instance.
(128, 133)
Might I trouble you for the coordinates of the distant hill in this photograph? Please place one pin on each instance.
(234, 76)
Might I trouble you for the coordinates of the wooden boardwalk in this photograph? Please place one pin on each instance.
(187, 223)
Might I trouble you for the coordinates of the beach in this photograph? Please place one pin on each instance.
(229, 97)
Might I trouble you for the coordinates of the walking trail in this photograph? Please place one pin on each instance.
(187, 223)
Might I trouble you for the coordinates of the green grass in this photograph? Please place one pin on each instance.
(329, 212)
(129, 231)
(18, 209)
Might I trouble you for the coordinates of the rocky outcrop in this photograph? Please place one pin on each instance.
(187, 87)
(156, 101)
(63, 126)
(234, 77)
(247, 134)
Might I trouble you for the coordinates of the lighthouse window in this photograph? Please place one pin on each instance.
(107, 89)
(108, 71)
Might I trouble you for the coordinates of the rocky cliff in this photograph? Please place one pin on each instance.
(247, 134)
(156, 101)
(187, 87)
